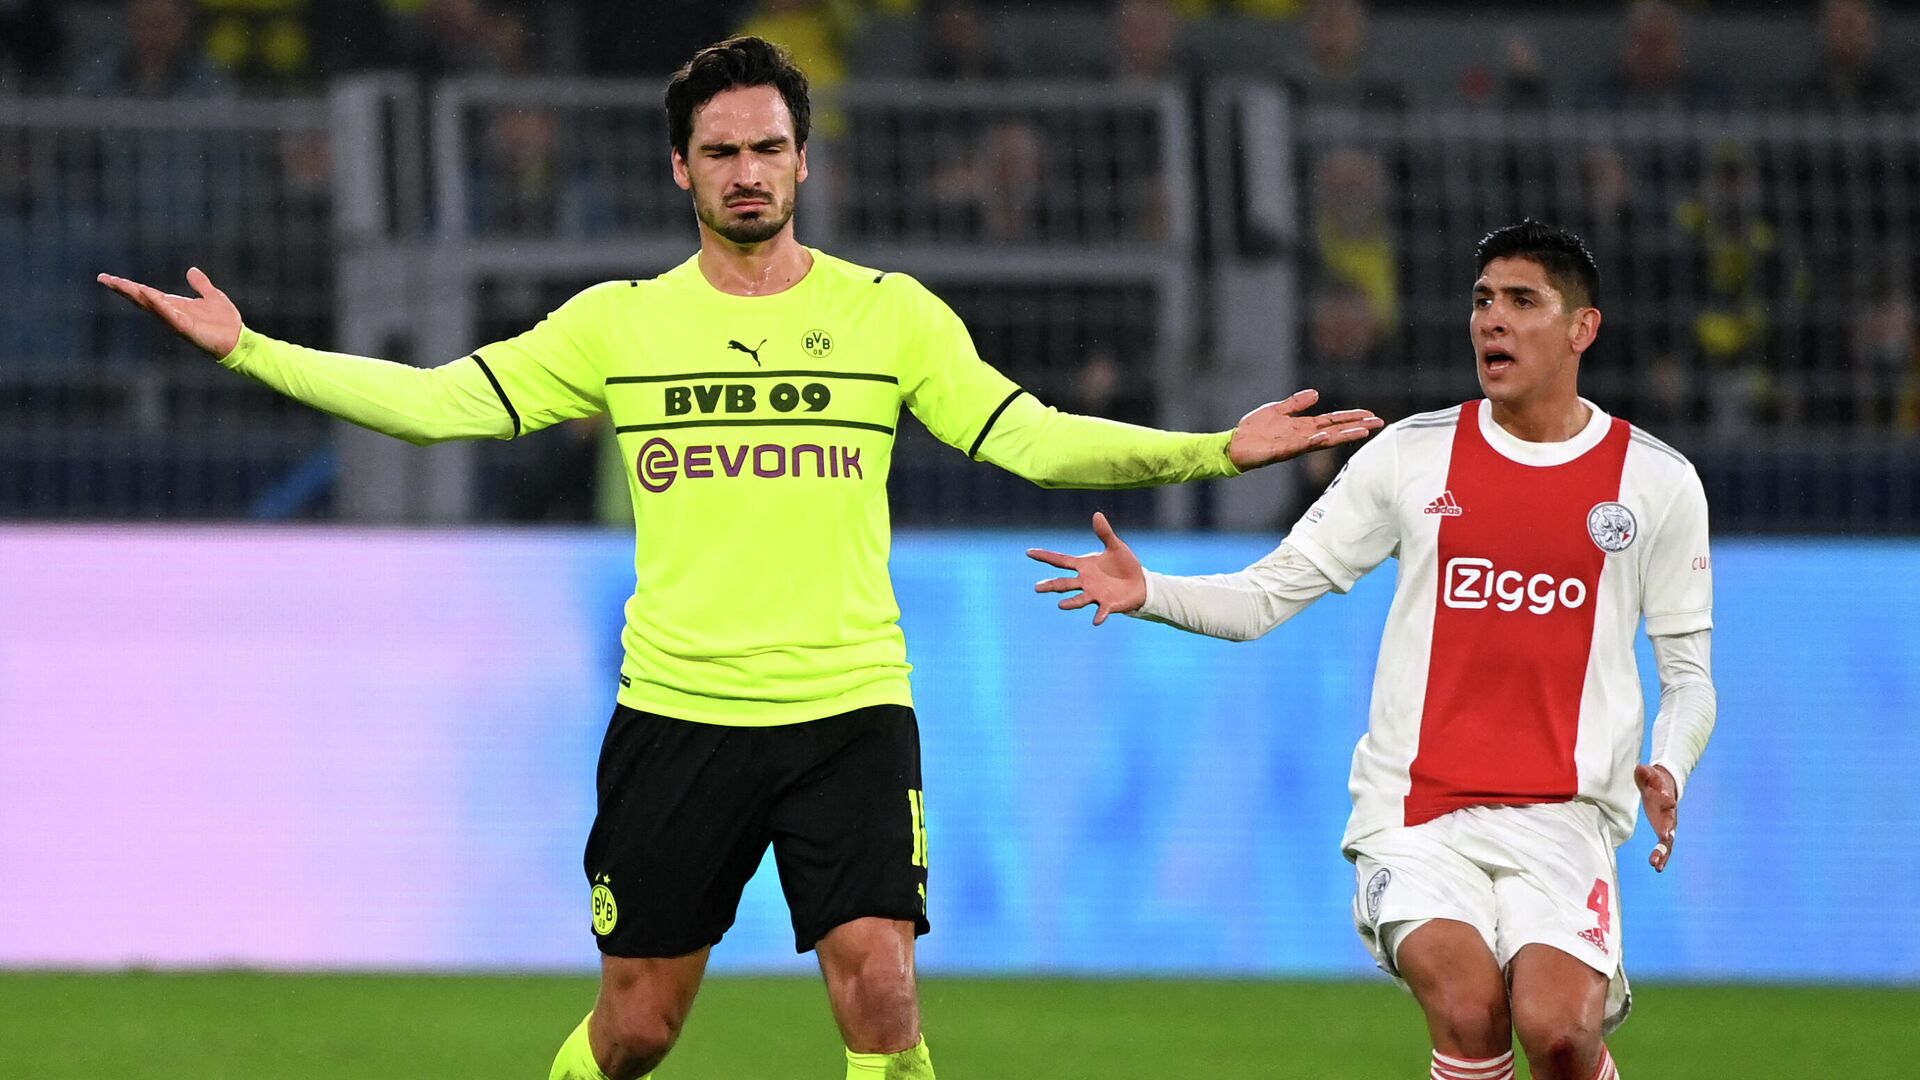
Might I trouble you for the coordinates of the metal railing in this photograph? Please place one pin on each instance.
(1758, 273)
(1759, 276)
(102, 413)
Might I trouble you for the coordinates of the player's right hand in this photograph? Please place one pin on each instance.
(209, 320)
(1111, 578)
(1660, 796)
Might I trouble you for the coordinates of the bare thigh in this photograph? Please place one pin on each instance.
(1458, 983)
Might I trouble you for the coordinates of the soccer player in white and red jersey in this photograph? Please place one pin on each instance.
(1500, 768)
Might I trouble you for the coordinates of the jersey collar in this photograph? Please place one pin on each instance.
(1511, 447)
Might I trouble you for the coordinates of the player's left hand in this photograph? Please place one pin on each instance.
(1660, 796)
(1276, 431)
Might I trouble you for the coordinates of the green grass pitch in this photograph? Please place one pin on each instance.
(246, 1026)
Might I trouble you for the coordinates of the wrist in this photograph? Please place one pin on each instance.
(1673, 776)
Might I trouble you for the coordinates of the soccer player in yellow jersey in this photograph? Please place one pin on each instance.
(763, 699)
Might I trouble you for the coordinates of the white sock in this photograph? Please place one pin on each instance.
(1455, 1068)
(1607, 1070)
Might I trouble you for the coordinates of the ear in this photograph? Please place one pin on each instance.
(680, 174)
(1583, 330)
(801, 175)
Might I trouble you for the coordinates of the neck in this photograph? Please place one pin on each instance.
(1547, 420)
(771, 266)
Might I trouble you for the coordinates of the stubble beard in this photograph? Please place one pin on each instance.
(755, 230)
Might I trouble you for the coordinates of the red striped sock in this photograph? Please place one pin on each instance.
(1606, 1070)
(1456, 1068)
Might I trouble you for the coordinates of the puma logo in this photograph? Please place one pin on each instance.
(753, 352)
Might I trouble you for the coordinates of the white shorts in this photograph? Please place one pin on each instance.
(1521, 875)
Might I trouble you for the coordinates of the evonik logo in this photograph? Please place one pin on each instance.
(1476, 583)
(659, 463)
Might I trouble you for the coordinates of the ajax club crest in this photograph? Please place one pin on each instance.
(1612, 526)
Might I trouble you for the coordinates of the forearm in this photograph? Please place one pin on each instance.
(1688, 703)
(420, 405)
(1064, 450)
(1239, 606)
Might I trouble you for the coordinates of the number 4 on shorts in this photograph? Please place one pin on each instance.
(1598, 901)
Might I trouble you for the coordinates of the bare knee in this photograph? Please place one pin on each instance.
(642, 1006)
(1469, 1021)
(868, 965)
(632, 1037)
(1561, 1044)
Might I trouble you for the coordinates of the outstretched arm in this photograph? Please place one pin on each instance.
(968, 404)
(461, 400)
(1056, 449)
(1238, 607)
(1688, 709)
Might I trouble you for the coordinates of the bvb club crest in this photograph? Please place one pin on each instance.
(605, 912)
(1612, 526)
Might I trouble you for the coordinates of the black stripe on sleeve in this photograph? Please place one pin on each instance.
(974, 450)
(512, 413)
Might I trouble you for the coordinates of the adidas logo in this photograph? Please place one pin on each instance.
(1445, 506)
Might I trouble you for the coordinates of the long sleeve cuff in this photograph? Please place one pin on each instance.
(1239, 606)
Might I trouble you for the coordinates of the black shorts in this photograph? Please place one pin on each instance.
(686, 811)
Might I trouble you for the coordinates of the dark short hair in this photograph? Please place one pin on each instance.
(1563, 255)
(735, 62)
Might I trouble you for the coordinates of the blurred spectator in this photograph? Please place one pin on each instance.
(1345, 358)
(815, 31)
(30, 42)
(160, 58)
(1146, 44)
(1345, 347)
(1104, 386)
(1849, 74)
(958, 46)
(291, 46)
(994, 189)
(1651, 71)
(520, 185)
(626, 37)
(463, 37)
(1521, 81)
(1886, 356)
(1335, 71)
(1739, 268)
(1353, 238)
(54, 245)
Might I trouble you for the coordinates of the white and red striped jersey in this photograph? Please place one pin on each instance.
(1506, 671)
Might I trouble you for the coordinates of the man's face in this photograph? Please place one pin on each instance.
(742, 165)
(1526, 340)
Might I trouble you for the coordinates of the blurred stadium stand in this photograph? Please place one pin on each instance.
(1162, 221)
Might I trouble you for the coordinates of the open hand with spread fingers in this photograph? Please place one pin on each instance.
(209, 320)
(1277, 431)
(1659, 795)
(1111, 578)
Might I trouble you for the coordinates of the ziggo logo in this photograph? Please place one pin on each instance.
(1474, 583)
